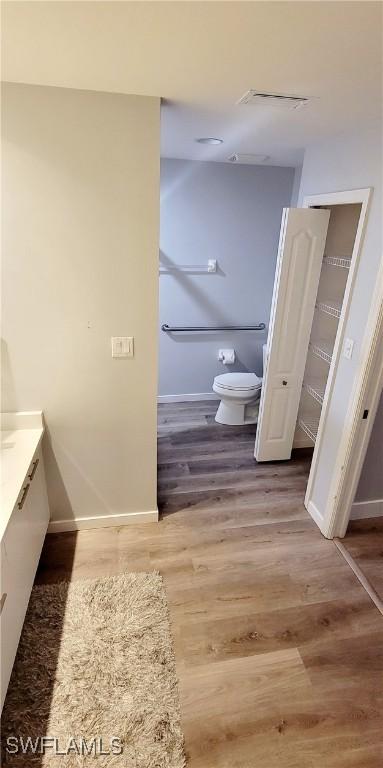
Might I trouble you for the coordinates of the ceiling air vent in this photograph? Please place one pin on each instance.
(273, 100)
(237, 157)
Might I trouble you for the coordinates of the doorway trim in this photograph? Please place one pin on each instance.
(329, 521)
(366, 396)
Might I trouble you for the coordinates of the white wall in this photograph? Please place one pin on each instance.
(347, 162)
(371, 480)
(231, 213)
(80, 255)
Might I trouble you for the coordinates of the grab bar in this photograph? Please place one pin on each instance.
(208, 329)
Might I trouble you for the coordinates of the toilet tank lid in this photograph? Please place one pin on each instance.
(243, 381)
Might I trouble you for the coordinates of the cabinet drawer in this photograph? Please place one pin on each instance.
(25, 533)
(11, 620)
(20, 550)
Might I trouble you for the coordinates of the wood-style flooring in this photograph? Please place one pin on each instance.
(203, 465)
(364, 542)
(278, 647)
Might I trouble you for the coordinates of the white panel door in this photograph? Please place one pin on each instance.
(299, 263)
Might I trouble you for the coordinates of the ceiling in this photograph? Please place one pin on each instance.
(202, 56)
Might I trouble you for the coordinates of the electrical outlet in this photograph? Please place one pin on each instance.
(122, 346)
(348, 348)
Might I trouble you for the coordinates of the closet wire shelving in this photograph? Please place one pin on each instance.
(310, 425)
(322, 349)
(338, 261)
(332, 308)
(316, 388)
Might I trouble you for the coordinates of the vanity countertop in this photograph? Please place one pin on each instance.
(21, 435)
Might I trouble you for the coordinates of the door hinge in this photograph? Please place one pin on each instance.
(365, 414)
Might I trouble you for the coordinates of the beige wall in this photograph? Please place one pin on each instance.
(80, 256)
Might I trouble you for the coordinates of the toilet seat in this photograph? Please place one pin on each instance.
(238, 382)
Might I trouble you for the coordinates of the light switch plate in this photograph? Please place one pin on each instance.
(122, 346)
(348, 348)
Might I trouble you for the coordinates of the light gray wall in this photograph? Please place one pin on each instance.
(80, 184)
(371, 480)
(348, 162)
(231, 213)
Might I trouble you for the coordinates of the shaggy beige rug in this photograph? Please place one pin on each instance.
(95, 672)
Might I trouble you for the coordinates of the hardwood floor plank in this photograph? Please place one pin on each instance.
(230, 500)
(234, 481)
(307, 629)
(212, 689)
(354, 657)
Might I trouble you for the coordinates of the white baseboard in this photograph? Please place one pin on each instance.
(104, 521)
(363, 509)
(187, 398)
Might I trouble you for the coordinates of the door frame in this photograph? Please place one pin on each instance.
(366, 396)
(337, 513)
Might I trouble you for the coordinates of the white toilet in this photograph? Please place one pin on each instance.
(239, 393)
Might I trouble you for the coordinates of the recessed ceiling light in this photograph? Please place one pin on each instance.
(209, 140)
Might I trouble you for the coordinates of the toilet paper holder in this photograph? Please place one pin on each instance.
(226, 356)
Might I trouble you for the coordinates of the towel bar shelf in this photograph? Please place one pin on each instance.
(193, 269)
(210, 329)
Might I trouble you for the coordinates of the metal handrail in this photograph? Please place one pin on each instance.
(209, 329)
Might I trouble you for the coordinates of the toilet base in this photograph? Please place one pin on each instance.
(236, 414)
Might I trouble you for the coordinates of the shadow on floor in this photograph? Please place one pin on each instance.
(27, 705)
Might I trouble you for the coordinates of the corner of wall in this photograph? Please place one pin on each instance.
(296, 186)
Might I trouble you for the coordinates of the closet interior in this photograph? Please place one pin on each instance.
(336, 264)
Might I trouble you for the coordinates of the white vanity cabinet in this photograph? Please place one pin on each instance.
(21, 543)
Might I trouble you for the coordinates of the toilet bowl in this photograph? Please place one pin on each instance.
(239, 393)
